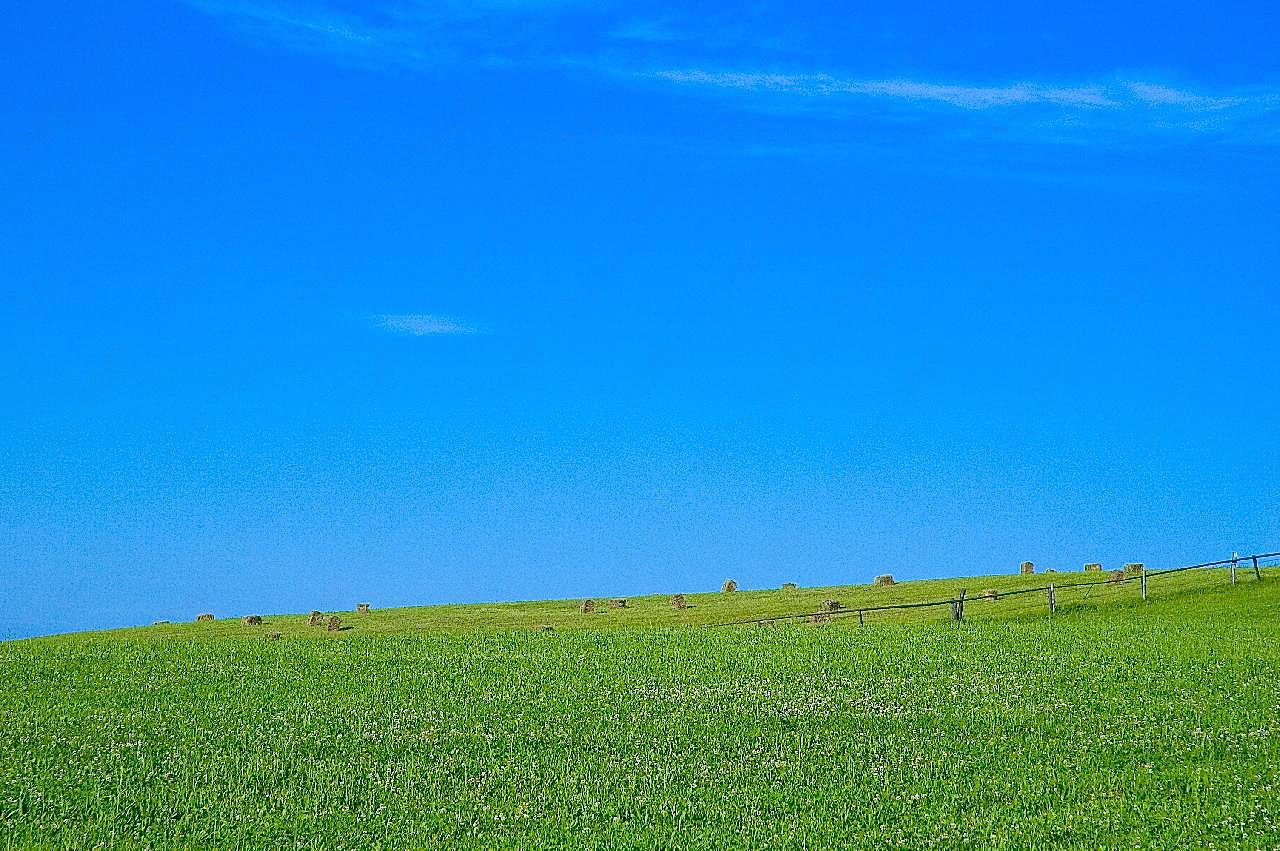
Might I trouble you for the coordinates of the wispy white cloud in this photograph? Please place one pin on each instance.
(613, 42)
(422, 324)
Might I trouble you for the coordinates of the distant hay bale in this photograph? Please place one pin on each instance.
(789, 586)
(253, 620)
(204, 617)
(588, 606)
(272, 636)
(1093, 567)
(729, 586)
(830, 606)
(820, 619)
(618, 603)
(1134, 568)
(1115, 576)
(990, 594)
(317, 619)
(677, 601)
(334, 624)
(362, 608)
(884, 579)
(1028, 568)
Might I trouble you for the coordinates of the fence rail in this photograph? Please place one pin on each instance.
(1252, 563)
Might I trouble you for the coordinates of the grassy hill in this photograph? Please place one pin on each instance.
(1115, 723)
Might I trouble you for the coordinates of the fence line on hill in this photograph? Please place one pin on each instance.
(1253, 564)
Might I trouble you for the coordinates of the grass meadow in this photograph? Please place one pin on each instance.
(1113, 724)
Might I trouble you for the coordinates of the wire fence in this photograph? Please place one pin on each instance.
(1047, 598)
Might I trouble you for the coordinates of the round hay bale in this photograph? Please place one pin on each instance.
(1093, 567)
(253, 620)
(789, 586)
(618, 603)
(990, 594)
(1134, 568)
(588, 606)
(729, 586)
(1028, 568)
(317, 619)
(1115, 576)
(334, 624)
(884, 579)
(272, 636)
(830, 606)
(204, 617)
(362, 608)
(677, 601)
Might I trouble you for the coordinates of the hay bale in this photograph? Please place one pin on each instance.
(334, 624)
(729, 586)
(588, 606)
(1027, 568)
(830, 606)
(1134, 568)
(618, 603)
(253, 620)
(272, 636)
(677, 601)
(317, 619)
(885, 579)
(362, 608)
(1116, 576)
(204, 617)
(990, 594)
(789, 586)
(1093, 567)
(820, 619)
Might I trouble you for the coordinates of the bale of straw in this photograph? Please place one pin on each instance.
(204, 617)
(729, 586)
(789, 586)
(272, 636)
(618, 603)
(1133, 568)
(1093, 567)
(677, 601)
(1028, 568)
(362, 608)
(830, 606)
(990, 594)
(1115, 576)
(334, 624)
(588, 606)
(253, 620)
(884, 579)
(317, 619)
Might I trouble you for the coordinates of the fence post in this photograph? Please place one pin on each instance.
(1234, 558)
(860, 617)
(1257, 574)
(1144, 583)
(1053, 600)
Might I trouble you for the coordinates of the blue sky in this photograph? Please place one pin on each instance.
(305, 303)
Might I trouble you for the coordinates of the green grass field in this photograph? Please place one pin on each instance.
(1113, 724)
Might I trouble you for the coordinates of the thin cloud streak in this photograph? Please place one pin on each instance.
(422, 324)
(494, 35)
